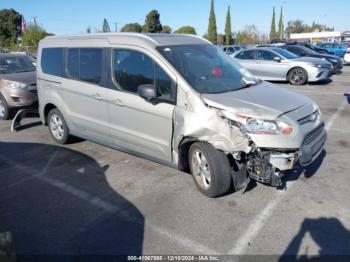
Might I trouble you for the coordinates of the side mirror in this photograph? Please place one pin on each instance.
(147, 92)
(277, 59)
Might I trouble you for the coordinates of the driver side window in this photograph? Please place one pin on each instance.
(266, 55)
(134, 68)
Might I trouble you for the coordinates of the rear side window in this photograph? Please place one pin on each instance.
(85, 64)
(246, 55)
(73, 63)
(91, 65)
(52, 61)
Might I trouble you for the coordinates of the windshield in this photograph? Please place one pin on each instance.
(207, 68)
(15, 64)
(285, 53)
(309, 51)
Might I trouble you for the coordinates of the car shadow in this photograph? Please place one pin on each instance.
(329, 234)
(300, 172)
(321, 83)
(57, 201)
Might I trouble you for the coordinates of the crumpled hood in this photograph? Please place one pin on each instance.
(265, 100)
(28, 78)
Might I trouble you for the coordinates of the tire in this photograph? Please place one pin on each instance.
(58, 127)
(5, 112)
(297, 76)
(210, 169)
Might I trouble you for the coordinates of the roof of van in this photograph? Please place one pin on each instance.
(152, 40)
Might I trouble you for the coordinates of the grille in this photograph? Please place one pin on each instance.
(310, 118)
(310, 137)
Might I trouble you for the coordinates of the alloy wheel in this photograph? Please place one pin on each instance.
(297, 77)
(201, 169)
(2, 108)
(56, 126)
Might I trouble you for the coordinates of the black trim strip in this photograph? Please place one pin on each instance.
(49, 80)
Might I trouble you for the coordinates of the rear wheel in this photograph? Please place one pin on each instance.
(210, 169)
(5, 111)
(297, 76)
(58, 127)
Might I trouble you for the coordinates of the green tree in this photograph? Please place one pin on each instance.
(316, 27)
(10, 27)
(33, 35)
(250, 35)
(152, 23)
(186, 30)
(273, 34)
(228, 29)
(212, 28)
(281, 26)
(105, 26)
(167, 29)
(132, 27)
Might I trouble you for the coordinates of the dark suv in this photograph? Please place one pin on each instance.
(307, 52)
(17, 84)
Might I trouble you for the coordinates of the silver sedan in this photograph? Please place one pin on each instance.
(276, 64)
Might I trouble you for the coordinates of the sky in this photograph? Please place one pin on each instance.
(74, 16)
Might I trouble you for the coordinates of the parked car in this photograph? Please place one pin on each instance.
(338, 49)
(302, 51)
(232, 49)
(277, 64)
(17, 84)
(177, 100)
(347, 56)
(312, 47)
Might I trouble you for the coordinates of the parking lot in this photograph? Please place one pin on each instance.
(91, 200)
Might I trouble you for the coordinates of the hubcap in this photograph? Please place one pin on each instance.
(2, 108)
(56, 126)
(200, 169)
(297, 76)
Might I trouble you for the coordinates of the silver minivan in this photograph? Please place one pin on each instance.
(177, 100)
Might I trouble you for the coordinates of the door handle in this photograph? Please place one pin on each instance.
(118, 102)
(97, 97)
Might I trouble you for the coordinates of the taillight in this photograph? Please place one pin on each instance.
(348, 51)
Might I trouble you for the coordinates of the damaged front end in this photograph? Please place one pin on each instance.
(267, 166)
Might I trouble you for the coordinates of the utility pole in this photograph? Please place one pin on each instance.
(34, 20)
(116, 26)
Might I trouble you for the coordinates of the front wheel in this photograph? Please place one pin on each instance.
(5, 112)
(297, 76)
(210, 169)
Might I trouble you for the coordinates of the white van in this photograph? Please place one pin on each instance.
(177, 100)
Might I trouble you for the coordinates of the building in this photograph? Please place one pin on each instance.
(345, 36)
(317, 37)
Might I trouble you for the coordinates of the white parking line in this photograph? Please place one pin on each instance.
(107, 207)
(21, 181)
(259, 221)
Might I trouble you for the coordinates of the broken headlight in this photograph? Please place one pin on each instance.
(267, 127)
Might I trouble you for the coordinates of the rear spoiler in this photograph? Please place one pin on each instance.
(21, 114)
